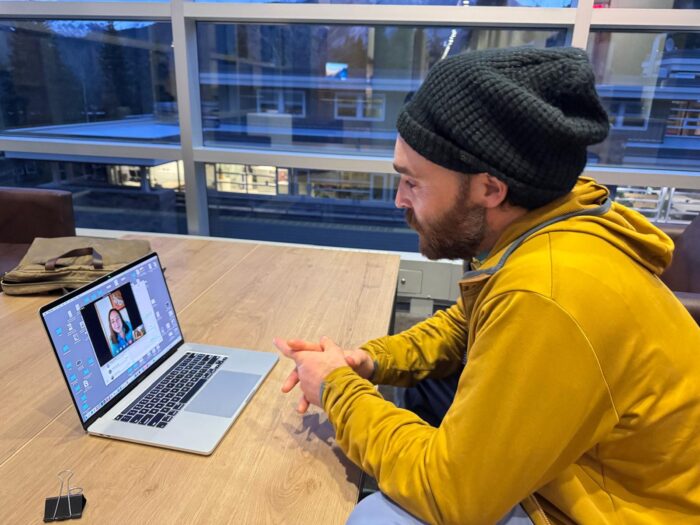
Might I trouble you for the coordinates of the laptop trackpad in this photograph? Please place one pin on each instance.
(223, 394)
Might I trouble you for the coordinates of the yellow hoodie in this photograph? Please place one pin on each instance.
(581, 392)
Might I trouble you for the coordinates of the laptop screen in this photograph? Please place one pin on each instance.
(111, 333)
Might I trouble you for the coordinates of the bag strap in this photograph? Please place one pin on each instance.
(96, 258)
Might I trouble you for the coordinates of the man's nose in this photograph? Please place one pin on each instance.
(400, 200)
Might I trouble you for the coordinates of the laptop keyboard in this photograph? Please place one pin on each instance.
(157, 406)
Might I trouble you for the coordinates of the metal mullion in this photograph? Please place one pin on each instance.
(582, 25)
(89, 148)
(646, 19)
(380, 14)
(189, 117)
(157, 11)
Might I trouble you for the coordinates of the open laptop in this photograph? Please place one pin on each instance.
(130, 372)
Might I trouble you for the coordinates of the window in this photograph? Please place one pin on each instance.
(333, 208)
(109, 193)
(629, 114)
(684, 119)
(349, 106)
(344, 85)
(683, 205)
(273, 88)
(650, 85)
(661, 204)
(88, 79)
(240, 178)
(93, 1)
(648, 4)
(645, 200)
(282, 101)
(346, 185)
(513, 3)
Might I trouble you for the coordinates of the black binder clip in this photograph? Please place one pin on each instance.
(68, 506)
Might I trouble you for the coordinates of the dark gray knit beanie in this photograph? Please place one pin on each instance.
(523, 115)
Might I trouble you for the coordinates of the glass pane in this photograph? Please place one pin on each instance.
(342, 86)
(330, 208)
(88, 79)
(650, 86)
(109, 193)
(648, 4)
(466, 3)
(683, 205)
(97, 0)
(646, 200)
(660, 204)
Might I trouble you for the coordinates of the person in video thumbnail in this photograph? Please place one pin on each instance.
(121, 334)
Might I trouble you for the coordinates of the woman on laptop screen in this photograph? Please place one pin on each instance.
(121, 334)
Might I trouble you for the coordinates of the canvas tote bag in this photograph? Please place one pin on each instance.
(66, 263)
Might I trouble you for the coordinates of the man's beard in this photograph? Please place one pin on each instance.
(457, 234)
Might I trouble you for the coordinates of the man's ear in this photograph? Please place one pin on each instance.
(487, 191)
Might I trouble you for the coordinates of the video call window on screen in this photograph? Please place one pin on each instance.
(114, 323)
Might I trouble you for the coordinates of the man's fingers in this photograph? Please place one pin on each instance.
(291, 381)
(299, 345)
(328, 344)
(289, 346)
(303, 405)
(283, 347)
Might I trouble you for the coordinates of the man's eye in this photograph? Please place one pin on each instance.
(410, 184)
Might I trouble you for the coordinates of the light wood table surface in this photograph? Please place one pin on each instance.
(273, 466)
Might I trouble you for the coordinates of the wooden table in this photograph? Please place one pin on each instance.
(274, 466)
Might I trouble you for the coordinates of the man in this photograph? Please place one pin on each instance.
(580, 398)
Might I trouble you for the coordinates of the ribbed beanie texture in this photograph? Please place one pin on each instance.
(523, 115)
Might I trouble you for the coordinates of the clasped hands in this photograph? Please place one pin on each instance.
(314, 361)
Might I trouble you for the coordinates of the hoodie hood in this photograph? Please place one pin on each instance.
(586, 209)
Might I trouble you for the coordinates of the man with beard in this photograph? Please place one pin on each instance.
(563, 386)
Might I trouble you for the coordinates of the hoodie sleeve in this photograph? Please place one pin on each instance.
(432, 348)
(531, 400)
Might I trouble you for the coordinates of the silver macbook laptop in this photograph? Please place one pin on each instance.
(130, 372)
